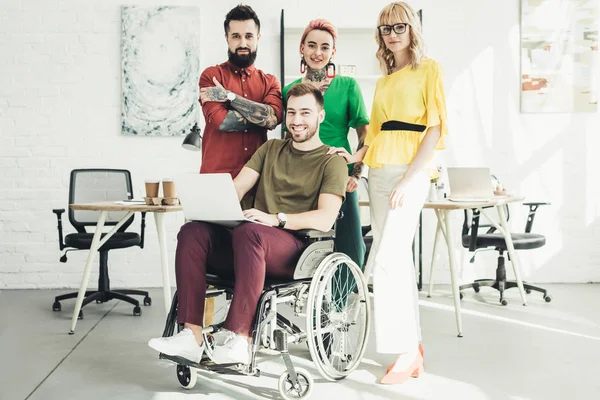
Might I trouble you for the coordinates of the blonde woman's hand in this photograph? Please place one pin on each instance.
(397, 195)
(340, 151)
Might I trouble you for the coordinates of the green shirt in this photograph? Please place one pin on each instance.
(344, 109)
(291, 180)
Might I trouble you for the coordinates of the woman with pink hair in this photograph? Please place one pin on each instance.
(344, 109)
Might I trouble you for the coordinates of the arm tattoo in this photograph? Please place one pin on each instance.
(256, 113)
(215, 93)
(234, 122)
(357, 169)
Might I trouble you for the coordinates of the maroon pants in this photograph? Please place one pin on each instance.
(249, 252)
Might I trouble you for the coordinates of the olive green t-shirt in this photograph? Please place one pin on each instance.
(291, 180)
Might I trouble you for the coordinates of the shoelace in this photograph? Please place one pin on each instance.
(230, 336)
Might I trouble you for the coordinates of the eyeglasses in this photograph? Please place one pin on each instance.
(399, 29)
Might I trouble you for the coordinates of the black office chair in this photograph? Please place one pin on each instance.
(96, 185)
(491, 240)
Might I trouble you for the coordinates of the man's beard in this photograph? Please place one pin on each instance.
(242, 61)
(311, 130)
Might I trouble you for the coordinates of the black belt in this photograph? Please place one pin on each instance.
(402, 126)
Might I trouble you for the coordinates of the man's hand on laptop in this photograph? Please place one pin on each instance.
(257, 215)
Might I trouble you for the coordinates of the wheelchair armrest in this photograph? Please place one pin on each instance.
(59, 212)
(313, 233)
(533, 206)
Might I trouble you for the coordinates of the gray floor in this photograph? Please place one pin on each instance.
(543, 351)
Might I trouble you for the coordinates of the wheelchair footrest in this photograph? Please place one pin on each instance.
(206, 364)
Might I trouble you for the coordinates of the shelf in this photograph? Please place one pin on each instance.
(347, 29)
(357, 77)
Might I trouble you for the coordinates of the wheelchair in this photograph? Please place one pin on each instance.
(328, 290)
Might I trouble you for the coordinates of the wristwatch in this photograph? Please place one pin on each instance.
(230, 96)
(282, 218)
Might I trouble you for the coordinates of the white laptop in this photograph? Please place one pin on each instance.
(470, 184)
(210, 198)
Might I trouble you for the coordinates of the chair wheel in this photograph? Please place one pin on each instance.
(528, 291)
(476, 288)
(461, 296)
(504, 302)
(186, 376)
(98, 301)
(548, 298)
(80, 316)
(56, 306)
(147, 301)
(137, 311)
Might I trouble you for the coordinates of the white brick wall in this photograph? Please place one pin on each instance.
(60, 109)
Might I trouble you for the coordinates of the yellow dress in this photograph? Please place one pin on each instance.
(409, 95)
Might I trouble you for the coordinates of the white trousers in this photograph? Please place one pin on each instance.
(397, 326)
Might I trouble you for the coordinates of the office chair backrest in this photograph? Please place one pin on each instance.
(96, 185)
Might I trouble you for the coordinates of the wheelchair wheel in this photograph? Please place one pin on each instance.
(337, 316)
(187, 376)
(287, 389)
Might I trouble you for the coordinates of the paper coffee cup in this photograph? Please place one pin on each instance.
(168, 188)
(152, 188)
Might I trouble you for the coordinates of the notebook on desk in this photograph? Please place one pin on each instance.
(210, 198)
(470, 184)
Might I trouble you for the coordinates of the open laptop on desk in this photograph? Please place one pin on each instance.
(210, 198)
(470, 184)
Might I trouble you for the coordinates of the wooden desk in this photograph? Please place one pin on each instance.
(130, 209)
(442, 209)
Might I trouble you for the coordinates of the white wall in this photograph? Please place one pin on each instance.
(60, 109)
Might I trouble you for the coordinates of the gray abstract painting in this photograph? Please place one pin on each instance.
(160, 70)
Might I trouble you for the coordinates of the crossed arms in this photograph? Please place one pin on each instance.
(245, 112)
(321, 219)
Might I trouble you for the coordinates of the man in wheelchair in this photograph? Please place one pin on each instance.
(299, 187)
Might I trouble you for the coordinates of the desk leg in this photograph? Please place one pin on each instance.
(435, 241)
(453, 265)
(511, 251)
(164, 260)
(88, 269)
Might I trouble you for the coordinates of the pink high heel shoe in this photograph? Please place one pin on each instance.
(422, 355)
(415, 370)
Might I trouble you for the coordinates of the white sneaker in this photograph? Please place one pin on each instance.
(235, 350)
(182, 345)
(223, 336)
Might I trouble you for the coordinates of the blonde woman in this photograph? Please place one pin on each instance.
(408, 123)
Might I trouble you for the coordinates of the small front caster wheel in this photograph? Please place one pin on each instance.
(56, 306)
(186, 376)
(504, 302)
(137, 311)
(80, 316)
(301, 390)
(147, 301)
(548, 298)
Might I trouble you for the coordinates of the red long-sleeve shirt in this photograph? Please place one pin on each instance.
(229, 151)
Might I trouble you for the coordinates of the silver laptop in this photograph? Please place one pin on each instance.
(210, 198)
(470, 184)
